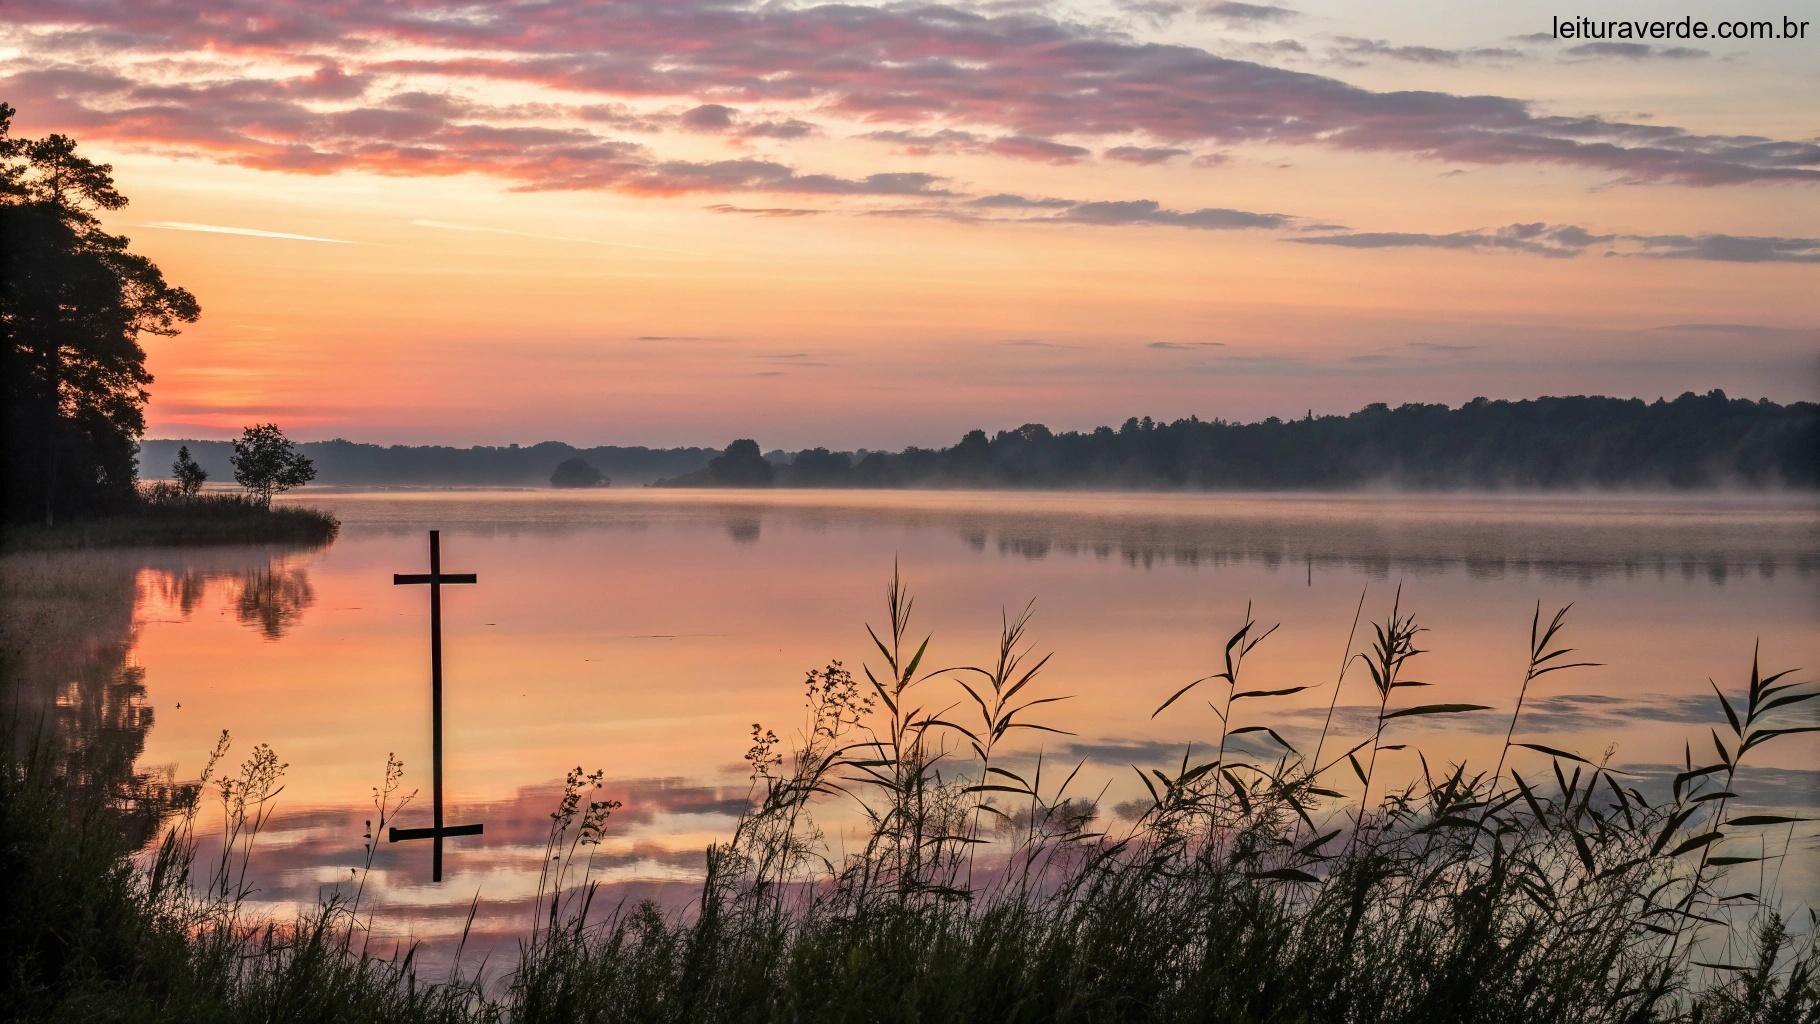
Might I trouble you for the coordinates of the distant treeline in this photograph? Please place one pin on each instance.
(1694, 441)
(350, 463)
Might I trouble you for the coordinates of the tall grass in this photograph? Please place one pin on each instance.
(165, 516)
(1250, 886)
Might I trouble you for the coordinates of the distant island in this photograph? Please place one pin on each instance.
(1692, 442)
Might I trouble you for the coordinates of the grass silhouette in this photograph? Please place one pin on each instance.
(1246, 887)
(163, 516)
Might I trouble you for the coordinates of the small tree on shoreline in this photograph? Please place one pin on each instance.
(267, 463)
(188, 473)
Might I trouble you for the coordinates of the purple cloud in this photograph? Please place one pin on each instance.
(1634, 51)
(952, 140)
(1144, 154)
(1568, 240)
(709, 117)
(1729, 248)
(1018, 78)
(718, 118)
(764, 211)
(1147, 211)
(1354, 51)
(1012, 201)
(1233, 13)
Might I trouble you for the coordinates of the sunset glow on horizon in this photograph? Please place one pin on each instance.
(670, 223)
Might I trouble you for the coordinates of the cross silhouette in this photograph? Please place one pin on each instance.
(437, 831)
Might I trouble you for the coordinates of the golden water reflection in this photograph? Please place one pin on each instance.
(644, 632)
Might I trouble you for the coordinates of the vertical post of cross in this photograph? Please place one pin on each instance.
(437, 831)
(436, 701)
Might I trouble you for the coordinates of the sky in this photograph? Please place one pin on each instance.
(683, 221)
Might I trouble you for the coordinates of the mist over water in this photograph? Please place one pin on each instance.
(645, 632)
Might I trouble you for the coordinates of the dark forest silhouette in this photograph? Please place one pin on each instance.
(1694, 441)
(74, 301)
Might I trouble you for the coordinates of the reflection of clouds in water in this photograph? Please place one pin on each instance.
(1757, 788)
(654, 849)
(1557, 540)
(301, 842)
(654, 845)
(1597, 711)
(1542, 719)
(1139, 752)
(1577, 712)
(1150, 753)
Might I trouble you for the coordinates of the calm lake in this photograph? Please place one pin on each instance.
(644, 632)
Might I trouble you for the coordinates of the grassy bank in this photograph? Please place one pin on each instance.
(1256, 882)
(163, 517)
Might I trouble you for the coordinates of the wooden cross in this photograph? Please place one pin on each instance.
(437, 831)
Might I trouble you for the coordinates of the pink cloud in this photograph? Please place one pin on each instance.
(1015, 80)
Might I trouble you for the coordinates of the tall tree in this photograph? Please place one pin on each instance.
(73, 302)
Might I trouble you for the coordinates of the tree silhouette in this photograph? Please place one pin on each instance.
(1708, 440)
(741, 465)
(577, 472)
(188, 473)
(267, 463)
(73, 303)
(272, 598)
(816, 467)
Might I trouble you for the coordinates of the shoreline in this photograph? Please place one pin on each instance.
(198, 522)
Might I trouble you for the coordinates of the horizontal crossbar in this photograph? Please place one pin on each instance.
(400, 578)
(401, 834)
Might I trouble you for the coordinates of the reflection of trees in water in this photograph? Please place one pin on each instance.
(1379, 558)
(273, 599)
(66, 638)
(69, 622)
(269, 594)
(182, 589)
(743, 529)
(1484, 541)
(1568, 552)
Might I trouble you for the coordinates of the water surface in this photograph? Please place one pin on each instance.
(644, 632)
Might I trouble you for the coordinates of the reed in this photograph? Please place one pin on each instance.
(1269, 886)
